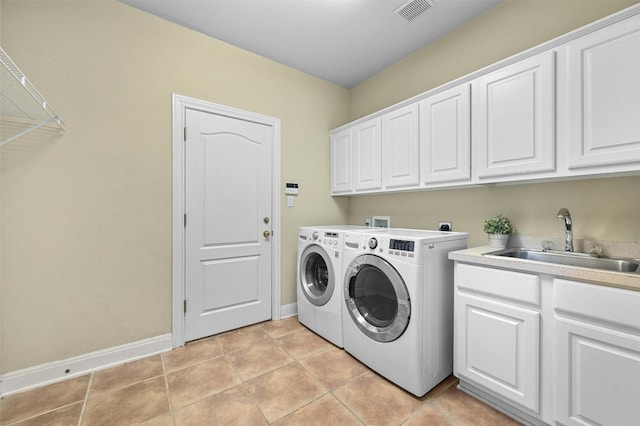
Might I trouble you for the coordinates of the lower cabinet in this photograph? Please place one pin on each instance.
(547, 350)
(497, 332)
(598, 355)
(499, 348)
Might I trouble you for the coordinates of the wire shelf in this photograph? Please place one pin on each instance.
(22, 108)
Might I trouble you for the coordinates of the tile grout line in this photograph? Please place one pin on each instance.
(329, 391)
(243, 382)
(345, 405)
(447, 415)
(52, 410)
(342, 402)
(264, 416)
(167, 389)
(274, 340)
(86, 399)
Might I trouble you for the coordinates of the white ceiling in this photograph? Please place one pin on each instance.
(341, 41)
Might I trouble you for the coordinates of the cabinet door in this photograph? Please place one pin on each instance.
(366, 156)
(445, 136)
(497, 347)
(603, 98)
(597, 354)
(400, 147)
(341, 161)
(598, 381)
(513, 119)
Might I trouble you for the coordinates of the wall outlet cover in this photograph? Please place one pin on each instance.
(445, 226)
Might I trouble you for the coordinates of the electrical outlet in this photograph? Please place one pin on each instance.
(445, 226)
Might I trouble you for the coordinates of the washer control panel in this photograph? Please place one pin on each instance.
(402, 245)
(402, 248)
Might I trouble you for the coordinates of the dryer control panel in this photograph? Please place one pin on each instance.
(330, 238)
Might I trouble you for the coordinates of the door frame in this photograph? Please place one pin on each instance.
(179, 106)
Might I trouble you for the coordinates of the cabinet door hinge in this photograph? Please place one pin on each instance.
(185, 220)
(185, 306)
(185, 134)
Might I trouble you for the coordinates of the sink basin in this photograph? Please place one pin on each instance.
(571, 259)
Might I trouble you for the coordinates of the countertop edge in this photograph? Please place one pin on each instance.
(476, 256)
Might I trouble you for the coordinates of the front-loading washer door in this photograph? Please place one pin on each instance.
(317, 277)
(377, 298)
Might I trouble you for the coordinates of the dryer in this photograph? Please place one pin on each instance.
(319, 279)
(398, 303)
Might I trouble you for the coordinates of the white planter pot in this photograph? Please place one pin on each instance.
(498, 240)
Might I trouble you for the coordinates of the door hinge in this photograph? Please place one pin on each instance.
(185, 220)
(185, 134)
(185, 306)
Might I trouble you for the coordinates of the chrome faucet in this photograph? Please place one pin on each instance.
(563, 214)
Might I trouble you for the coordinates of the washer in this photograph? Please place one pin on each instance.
(398, 303)
(319, 286)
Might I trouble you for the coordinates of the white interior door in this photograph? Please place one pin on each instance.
(228, 223)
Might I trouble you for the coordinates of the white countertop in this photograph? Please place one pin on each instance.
(475, 255)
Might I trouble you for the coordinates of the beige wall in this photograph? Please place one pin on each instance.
(86, 217)
(508, 28)
(602, 208)
(85, 233)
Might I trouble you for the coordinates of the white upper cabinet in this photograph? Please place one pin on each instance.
(513, 119)
(445, 136)
(367, 163)
(561, 110)
(601, 86)
(401, 148)
(341, 161)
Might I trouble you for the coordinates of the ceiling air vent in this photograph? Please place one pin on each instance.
(411, 9)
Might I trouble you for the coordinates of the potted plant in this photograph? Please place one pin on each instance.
(498, 229)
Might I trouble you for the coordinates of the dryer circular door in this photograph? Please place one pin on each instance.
(377, 298)
(317, 277)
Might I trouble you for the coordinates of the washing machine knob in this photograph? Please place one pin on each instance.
(314, 235)
(373, 243)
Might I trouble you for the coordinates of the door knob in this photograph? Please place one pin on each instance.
(266, 233)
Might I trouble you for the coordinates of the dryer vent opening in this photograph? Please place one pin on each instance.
(411, 9)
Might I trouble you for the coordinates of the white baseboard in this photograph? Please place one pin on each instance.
(44, 374)
(289, 310)
(56, 371)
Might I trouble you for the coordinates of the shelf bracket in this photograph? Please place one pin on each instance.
(21, 100)
(24, 132)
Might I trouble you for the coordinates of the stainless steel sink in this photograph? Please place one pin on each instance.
(571, 259)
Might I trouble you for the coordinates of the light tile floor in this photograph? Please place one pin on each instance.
(276, 372)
